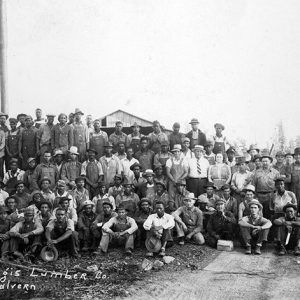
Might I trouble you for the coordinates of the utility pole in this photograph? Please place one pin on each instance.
(3, 70)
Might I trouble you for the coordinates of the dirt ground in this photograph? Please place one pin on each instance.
(231, 275)
(117, 274)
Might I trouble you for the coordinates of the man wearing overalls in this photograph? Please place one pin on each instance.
(60, 232)
(98, 139)
(220, 142)
(120, 230)
(25, 235)
(81, 135)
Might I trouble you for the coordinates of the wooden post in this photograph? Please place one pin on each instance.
(3, 71)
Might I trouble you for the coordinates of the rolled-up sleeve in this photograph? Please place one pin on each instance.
(170, 223)
(148, 223)
(39, 228)
(133, 226)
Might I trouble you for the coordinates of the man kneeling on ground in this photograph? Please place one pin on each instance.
(220, 225)
(158, 227)
(119, 230)
(60, 232)
(254, 228)
(287, 230)
(25, 235)
(189, 221)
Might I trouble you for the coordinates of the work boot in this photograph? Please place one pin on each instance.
(181, 241)
(162, 252)
(257, 250)
(297, 251)
(248, 250)
(128, 252)
(281, 250)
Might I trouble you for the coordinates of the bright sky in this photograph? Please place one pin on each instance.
(230, 61)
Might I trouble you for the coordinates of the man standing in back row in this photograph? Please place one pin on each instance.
(196, 136)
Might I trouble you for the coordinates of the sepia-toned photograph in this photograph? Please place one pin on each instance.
(149, 149)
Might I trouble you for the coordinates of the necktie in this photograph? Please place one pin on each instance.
(198, 166)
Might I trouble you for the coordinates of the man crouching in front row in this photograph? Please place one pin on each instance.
(158, 227)
(118, 230)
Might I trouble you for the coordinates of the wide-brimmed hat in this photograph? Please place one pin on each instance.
(240, 160)
(289, 205)
(101, 184)
(255, 157)
(253, 147)
(209, 143)
(18, 183)
(279, 153)
(45, 179)
(61, 183)
(80, 178)
(199, 148)
(181, 182)
(92, 150)
(13, 120)
(219, 125)
(148, 172)
(250, 188)
(266, 153)
(297, 151)
(135, 124)
(160, 182)
(255, 202)
(220, 201)
(231, 150)
(194, 121)
(78, 111)
(158, 165)
(21, 115)
(143, 200)
(176, 147)
(58, 152)
(186, 139)
(108, 145)
(30, 159)
(49, 253)
(35, 193)
(87, 202)
(107, 202)
(226, 186)
(153, 244)
(136, 164)
(51, 115)
(164, 143)
(278, 179)
(73, 150)
(29, 211)
(2, 114)
(209, 184)
(189, 196)
(38, 205)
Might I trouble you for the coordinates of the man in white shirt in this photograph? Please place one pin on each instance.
(158, 226)
(198, 169)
